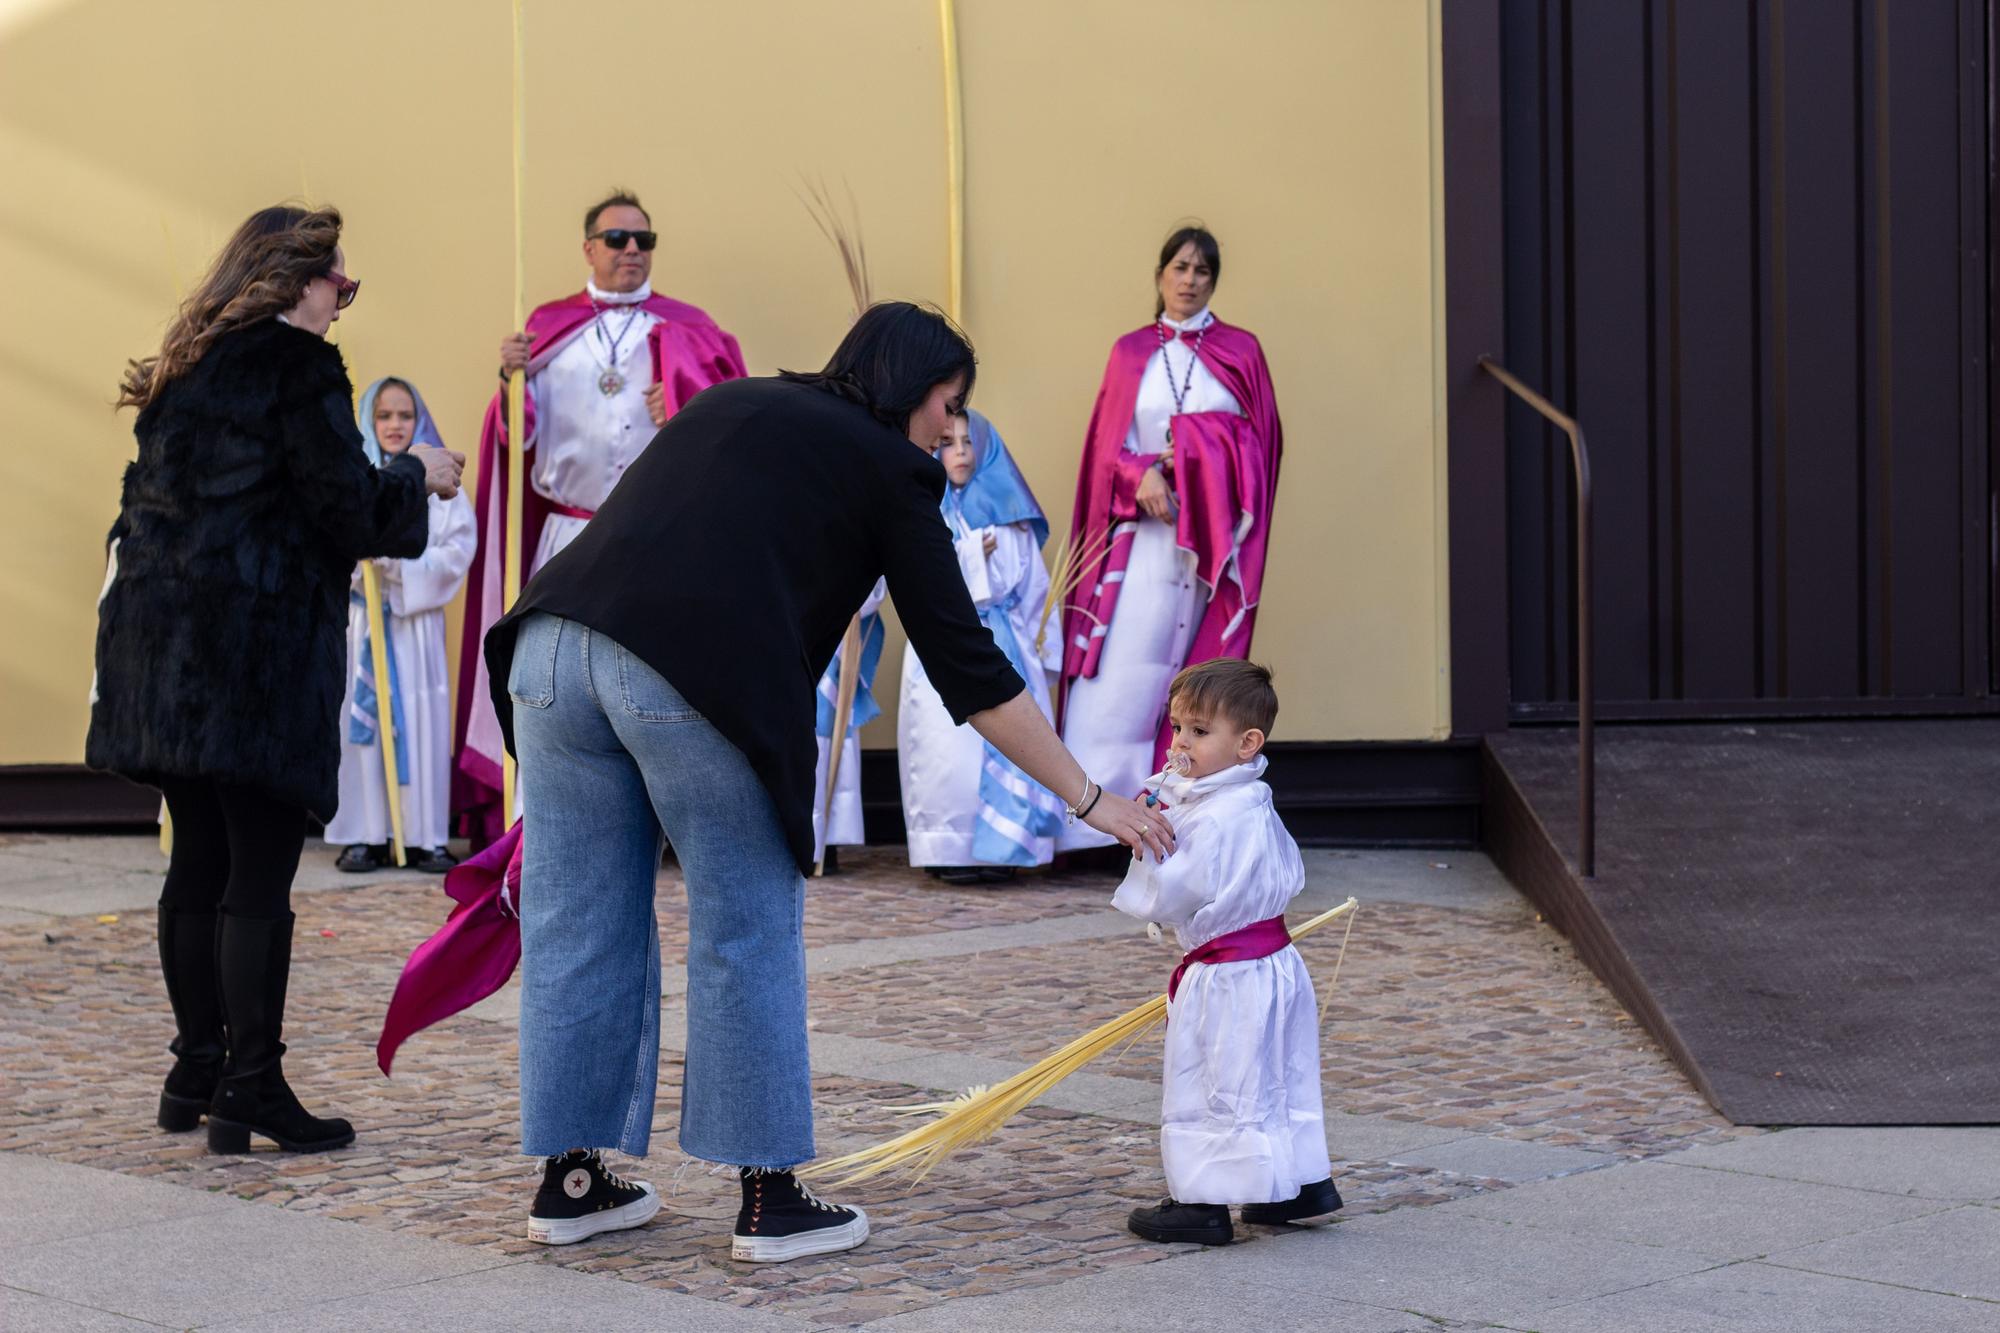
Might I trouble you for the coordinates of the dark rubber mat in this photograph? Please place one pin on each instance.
(1806, 915)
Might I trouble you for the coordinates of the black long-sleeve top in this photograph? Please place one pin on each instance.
(735, 550)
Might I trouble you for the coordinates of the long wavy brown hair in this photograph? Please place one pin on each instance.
(262, 272)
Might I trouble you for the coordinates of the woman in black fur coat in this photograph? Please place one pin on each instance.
(221, 641)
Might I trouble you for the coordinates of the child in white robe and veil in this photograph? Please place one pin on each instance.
(414, 596)
(1240, 1116)
(970, 815)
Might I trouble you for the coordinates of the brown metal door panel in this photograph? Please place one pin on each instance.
(1610, 202)
(1813, 155)
(1710, 473)
(1914, 364)
(1747, 244)
(1533, 216)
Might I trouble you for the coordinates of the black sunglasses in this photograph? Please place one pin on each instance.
(618, 236)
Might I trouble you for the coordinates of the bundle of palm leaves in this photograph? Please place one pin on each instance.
(973, 1117)
(844, 233)
(1076, 560)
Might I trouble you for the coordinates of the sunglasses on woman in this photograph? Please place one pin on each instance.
(616, 238)
(344, 288)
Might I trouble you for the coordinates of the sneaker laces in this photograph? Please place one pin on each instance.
(805, 1193)
(595, 1158)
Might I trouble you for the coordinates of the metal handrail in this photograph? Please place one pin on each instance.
(1585, 704)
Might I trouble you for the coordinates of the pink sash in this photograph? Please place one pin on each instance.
(1259, 939)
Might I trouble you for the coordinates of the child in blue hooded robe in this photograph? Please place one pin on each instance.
(415, 594)
(970, 814)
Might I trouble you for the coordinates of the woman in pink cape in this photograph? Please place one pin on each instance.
(1173, 512)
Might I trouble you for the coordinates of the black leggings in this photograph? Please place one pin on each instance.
(235, 848)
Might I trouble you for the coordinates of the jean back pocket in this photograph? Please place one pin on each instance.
(531, 680)
(647, 695)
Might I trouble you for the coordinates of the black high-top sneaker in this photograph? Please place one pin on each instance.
(782, 1219)
(580, 1197)
(1175, 1222)
(1315, 1200)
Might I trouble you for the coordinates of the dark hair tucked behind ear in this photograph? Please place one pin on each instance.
(1204, 241)
(892, 358)
(617, 199)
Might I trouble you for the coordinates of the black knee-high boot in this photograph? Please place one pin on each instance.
(253, 1097)
(187, 961)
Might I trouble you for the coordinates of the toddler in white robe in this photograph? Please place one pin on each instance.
(1240, 1118)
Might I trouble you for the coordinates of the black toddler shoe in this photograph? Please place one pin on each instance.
(1177, 1223)
(1315, 1200)
(430, 860)
(364, 858)
(580, 1197)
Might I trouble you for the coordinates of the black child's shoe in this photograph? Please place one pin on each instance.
(1315, 1200)
(363, 858)
(430, 860)
(1178, 1223)
(782, 1219)
(580, 1197)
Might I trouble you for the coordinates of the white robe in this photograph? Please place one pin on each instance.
(846, 825)
(1112, 720)
(941, 762)
(415, 594)
(583, 439)
(1240, 1117)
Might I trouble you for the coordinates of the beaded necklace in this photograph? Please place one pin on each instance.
(1179, 391)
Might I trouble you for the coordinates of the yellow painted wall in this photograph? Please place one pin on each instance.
(134, 135)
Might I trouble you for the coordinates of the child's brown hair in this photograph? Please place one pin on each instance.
(1228, 687)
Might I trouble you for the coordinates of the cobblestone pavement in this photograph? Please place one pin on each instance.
(1467, 1018)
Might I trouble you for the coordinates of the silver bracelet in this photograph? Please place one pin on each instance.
(1084, 802)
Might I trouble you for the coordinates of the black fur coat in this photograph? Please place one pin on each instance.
(221, 637)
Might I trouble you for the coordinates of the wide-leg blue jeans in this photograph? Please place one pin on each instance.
(611, 754)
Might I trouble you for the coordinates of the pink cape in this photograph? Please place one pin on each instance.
(690, 352)
(1225, 478)
(472, 954)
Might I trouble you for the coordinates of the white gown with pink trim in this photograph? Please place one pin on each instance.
(1240, 1112)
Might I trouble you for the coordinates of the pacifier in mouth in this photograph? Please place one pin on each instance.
(1179, 762)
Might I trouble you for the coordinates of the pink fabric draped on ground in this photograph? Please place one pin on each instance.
(472, 954)
(1225, 481)
(689, 353)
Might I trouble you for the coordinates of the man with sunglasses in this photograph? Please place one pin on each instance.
(606, 368)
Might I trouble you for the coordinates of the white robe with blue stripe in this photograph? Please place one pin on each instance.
(942, 763)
